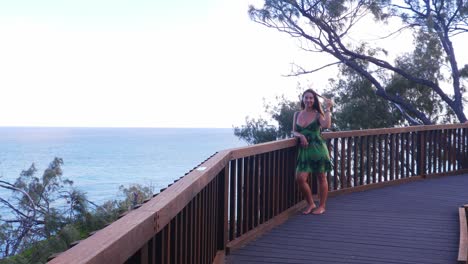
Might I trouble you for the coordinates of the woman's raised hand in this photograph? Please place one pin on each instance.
(328, 103)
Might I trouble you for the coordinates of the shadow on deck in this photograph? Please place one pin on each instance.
(410, 223)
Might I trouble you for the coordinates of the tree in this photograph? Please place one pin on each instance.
(134, 194)
(44, 215)
(39, 207)
(256, 131)
(259, 130)
(357, 105)
(327, 26)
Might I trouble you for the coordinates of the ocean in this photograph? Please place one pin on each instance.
(99, 160)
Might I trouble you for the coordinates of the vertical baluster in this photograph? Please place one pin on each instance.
(386, 159)
(167, 242)
(191, 229)
(185, 223)
(397, 156)
(368, 158)
(458, 148)
(379, 138)
(402, 155)
(342, 163)
(215, 221)
(263, 200)
(461, 153)
(275, 183)
(175, 239)
(283, 180)
(436, 151)
(408, 153)
(197, 228)
(240, 195)
(440, 151)
(392, 157)
(251, 192)
(361, 165)
(269, 187)
(150, 254)
(413, 153)
(246, 194)
(335, 164)
(258, 162)
(449, 150)
(210, 212)
(355, 161)
(432, 157)
(232, 199)
(348, 162)
(374, 159)
(159, 254)
(329, 174)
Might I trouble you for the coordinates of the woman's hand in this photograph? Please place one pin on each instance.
(304, 142)
(328, 104)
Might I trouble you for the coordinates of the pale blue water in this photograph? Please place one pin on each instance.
(99, 160)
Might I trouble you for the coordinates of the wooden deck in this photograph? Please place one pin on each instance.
(410, 223)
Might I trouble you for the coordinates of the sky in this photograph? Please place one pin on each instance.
(143, 63)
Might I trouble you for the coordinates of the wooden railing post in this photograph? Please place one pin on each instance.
(421, 157)
(464, 148)
(223, 196)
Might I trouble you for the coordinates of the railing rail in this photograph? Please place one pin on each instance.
(237, 192)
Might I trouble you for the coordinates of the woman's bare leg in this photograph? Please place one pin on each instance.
(301, 179)
(323, 185)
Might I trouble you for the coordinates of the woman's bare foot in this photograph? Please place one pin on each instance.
(319, 211)
(309, 209)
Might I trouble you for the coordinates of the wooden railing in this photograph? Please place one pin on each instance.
(239, 193)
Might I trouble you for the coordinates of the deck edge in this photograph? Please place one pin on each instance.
(264, 228)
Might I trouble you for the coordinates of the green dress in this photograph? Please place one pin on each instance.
(314, 157)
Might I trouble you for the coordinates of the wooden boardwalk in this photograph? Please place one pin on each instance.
(415, 222)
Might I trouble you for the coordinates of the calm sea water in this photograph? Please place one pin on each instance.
(99, 160)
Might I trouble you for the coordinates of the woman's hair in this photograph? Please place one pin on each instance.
(317, 106)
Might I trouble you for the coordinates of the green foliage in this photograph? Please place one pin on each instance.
(358, 107)
(424, 62)
(48, 214)
(282, 111)
(35, 211)
(464, 71)
(414, 83)
(257, 131)
(134, 194)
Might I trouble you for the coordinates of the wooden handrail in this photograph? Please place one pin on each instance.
(394, 130)
(238, 190)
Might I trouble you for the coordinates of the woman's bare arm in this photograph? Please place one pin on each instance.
(325, 120)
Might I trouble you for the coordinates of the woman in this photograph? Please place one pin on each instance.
(313, 156)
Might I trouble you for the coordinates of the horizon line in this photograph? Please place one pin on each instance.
(142, 127)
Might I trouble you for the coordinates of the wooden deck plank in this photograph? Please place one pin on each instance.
(410, 223)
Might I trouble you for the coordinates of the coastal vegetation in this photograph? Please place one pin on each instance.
(424, 82)
(357, 107)
(424, 85)
(46, 214)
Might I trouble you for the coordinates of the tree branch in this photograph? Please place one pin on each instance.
(302, 71)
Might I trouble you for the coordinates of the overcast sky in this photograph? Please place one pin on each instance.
(142, 63)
